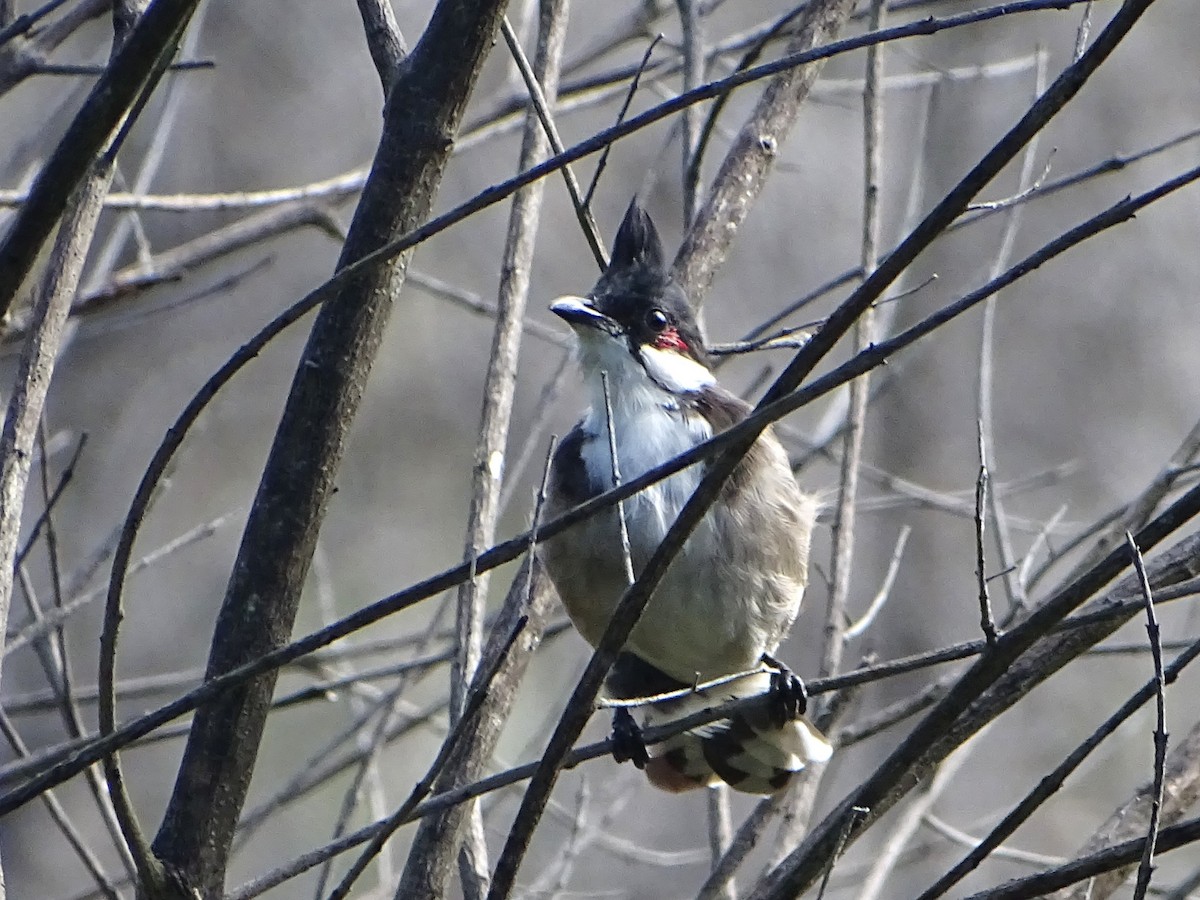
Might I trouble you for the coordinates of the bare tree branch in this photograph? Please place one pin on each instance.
(1098, 863)
(441, 839)
(133, 71)
(745, 168)
(35, 369)
(421, 116)
(384, 40)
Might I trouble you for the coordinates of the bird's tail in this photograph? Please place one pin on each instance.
(750, 752)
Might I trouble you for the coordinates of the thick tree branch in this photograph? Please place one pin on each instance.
(421, 116)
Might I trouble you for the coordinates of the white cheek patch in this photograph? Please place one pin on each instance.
(674, 372)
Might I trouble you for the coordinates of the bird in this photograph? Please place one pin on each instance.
(731, 595)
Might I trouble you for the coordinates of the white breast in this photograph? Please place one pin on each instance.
(650, 429)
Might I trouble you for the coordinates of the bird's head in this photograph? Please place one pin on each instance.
(636, 323)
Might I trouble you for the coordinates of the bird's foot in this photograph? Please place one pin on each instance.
(789, 697)
(627, 743)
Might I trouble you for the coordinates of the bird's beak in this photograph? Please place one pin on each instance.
(579, 313)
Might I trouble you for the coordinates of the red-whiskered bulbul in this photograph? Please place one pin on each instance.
(732, 593)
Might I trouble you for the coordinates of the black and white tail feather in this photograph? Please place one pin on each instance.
(750, 752)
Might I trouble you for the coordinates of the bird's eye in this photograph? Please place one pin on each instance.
(656, 320)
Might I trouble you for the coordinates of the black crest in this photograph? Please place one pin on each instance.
(637, 244)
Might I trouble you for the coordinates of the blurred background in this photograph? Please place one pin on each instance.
(1096, 383)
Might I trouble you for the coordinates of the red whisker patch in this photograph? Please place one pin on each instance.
(669, 339)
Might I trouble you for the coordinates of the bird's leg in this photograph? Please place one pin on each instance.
(627, 743)
(788, 694)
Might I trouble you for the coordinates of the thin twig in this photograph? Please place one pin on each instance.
(986, 621)
(970, 841)
(667, 696)
(629, 94)
(541, 106)
(1146, 866)
(615, 471)
(857, 629)
(691, 26)
(855, 813)
(333, 189)
(574, 840)
(987, 349)
(473, 302)
(64, 479)
(842, 551)
(1085, 28)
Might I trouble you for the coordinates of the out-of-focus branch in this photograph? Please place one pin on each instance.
(35, 369)
(744, 171)
(126, 285)
(22, 55)
(842, 551)
(1181, 790)
(1086, 867)
(691, 24)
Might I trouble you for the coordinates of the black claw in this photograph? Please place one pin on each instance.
(788, 692)
(627, 743)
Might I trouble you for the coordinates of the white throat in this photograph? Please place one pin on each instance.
(651, 424)
(652, 384)
(676, 372)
